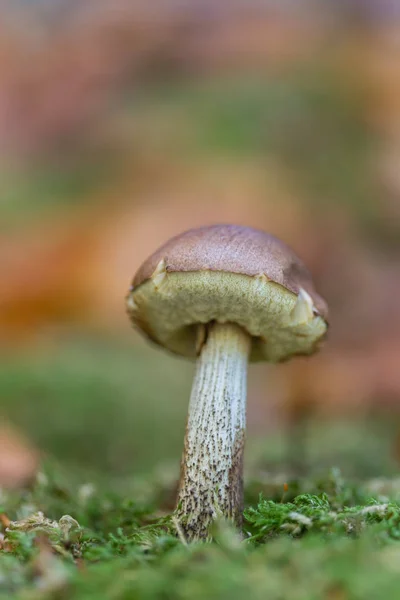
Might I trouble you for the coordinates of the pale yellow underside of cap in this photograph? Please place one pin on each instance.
(169, 306)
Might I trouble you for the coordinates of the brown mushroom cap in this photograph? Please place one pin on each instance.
(227, 273)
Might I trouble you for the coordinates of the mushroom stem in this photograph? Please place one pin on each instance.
(211, 483)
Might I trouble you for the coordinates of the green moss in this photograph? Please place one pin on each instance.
(334, 542)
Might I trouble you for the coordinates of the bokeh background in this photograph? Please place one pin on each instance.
(125, 122)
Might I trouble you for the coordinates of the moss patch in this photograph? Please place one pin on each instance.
(334, 542)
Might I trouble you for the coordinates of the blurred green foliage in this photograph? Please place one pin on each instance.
(309, 120)
(112, 409)
(29, 196)
(99, 404)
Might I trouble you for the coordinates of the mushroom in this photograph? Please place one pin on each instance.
(223, 295)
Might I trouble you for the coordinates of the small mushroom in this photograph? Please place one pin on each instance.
(223, 295)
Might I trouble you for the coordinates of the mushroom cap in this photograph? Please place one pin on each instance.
(228, 274)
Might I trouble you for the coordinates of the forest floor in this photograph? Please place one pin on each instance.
(325, 539)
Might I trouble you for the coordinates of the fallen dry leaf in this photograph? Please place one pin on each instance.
(18, 460)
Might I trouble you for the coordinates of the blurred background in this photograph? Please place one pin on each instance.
(125, 122)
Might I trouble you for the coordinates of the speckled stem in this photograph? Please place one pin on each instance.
(211, 482)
